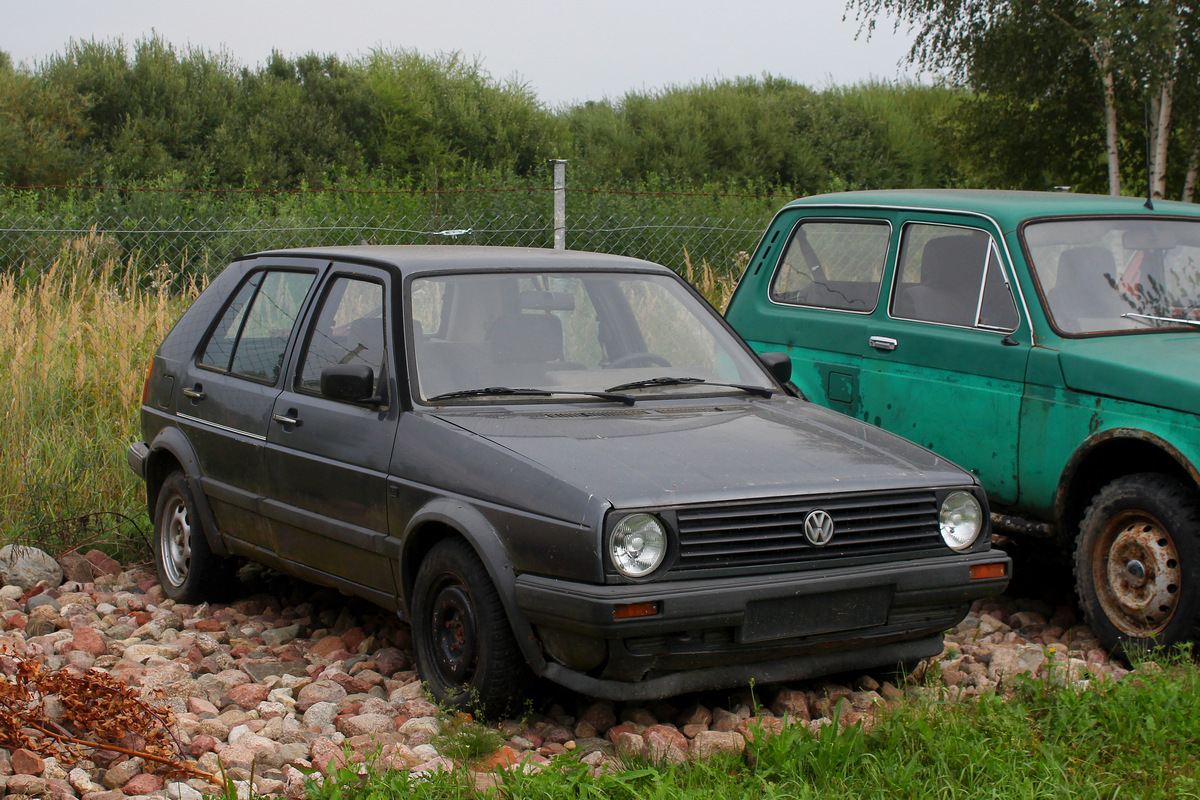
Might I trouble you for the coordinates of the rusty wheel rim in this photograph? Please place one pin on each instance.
(1135, 567)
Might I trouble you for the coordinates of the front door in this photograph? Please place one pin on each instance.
(946, 366)
(327, 459)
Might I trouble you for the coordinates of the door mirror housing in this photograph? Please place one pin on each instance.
(778, 364)
(349, 382)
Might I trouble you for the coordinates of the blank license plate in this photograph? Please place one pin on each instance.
(806, 615)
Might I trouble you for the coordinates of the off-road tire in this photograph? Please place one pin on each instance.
(1137, 563)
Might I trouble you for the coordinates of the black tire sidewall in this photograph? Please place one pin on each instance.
(1175, 505)
(497, 677)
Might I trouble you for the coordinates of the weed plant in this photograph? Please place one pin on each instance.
(75, 339)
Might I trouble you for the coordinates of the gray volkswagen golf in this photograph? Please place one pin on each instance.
(550, 463)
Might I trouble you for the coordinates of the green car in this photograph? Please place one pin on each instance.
(1049, 343)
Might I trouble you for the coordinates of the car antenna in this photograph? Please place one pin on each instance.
(1149, 178)
(345, 196)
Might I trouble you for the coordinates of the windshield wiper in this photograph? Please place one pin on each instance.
(503, 390)
(761, 391)
(1132, 315)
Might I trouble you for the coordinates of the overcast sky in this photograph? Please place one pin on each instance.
(567, 51)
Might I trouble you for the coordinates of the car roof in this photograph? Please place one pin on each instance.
(1007, 208)
(409, 259)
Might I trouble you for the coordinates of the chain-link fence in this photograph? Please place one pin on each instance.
(200, 245)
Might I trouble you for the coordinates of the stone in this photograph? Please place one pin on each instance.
(319, 715)
(146, 783)
(711, 743)
(246, 695)
(791, 703)
(25, 566)
(322, 691)
(26, 762)
(178, 790)
(87, 640)
(665, 744)
(366, 724)
(120, 773)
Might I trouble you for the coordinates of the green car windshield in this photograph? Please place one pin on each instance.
(560, 336)
(1107, 274)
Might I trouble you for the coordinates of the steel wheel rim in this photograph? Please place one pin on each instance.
(176, 540)
(454, 633)
(1135, 567)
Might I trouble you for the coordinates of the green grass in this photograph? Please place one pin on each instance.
(1136, 738)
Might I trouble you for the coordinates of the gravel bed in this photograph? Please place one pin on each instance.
(295, 676)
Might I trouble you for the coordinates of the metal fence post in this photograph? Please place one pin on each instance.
(560, 203)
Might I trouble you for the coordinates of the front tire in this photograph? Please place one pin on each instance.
(465, 649)
(1136, 563)
(186, 565)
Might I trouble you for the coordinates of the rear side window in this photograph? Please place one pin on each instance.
(952, 276)
(833, 264)
(250, 338)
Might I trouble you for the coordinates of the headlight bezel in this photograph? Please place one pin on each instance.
(665, 558)
(962, 507)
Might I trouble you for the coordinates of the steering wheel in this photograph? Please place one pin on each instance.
(638, 359)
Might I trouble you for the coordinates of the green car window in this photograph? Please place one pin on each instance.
(833, 264)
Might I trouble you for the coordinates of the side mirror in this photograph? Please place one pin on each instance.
(778, 364)
(349, 382)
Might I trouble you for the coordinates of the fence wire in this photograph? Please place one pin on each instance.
(187, 247)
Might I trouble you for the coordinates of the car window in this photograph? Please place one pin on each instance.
(253, 332)
(568, 333)
(953, 276)
(833, 264)
(349, 329)
(1113, 274)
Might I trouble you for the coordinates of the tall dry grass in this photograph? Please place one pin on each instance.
(715, 284)
(75, 341)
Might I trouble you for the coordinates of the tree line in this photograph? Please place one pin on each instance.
(150, 114)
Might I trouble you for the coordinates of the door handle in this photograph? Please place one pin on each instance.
(283, 419)
(883, 343)
(196, 393)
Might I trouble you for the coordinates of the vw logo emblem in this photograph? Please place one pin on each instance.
(818, 528)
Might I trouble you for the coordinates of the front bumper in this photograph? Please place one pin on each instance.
(719, 632)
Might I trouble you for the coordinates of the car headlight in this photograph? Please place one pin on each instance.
(637, 545)
(960, 520)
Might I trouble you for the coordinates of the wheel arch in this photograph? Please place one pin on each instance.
(169, 452)
(444, 518)
(1106, 456)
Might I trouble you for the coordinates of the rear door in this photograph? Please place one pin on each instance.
(327, 459)
(228, 392)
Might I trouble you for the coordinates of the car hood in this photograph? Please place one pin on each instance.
(654, 453)
(1160, 369)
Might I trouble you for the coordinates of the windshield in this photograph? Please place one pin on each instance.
(477, 334)
(1108, 274)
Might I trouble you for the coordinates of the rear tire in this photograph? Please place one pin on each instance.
(465, 649)
(187, 568)
(1137, 563)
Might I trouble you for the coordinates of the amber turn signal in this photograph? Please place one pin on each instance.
(983, 571)
(635, 610)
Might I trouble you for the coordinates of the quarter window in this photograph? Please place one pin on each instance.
(833, 264)
(952, 276)
(252, 334)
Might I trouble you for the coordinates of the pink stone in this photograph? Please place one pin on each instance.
(198, 705)
(87, 640)
(143, 784)
(247, 695)
(27, 762)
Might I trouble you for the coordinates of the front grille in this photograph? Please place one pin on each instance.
(770, 532)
